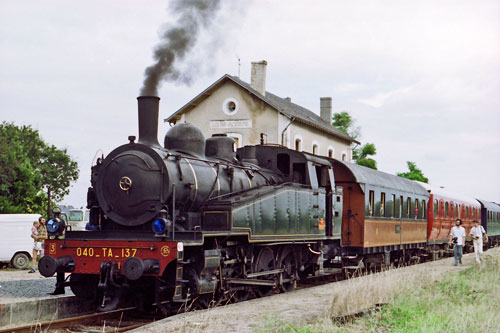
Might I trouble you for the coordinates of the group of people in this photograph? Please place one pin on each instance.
(457, 239)
(39, 235)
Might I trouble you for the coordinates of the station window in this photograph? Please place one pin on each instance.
(371, 202)
(315, 149)
(382, 204)
(298, 144)
(344, 156)
(435, 208)
(330, 153)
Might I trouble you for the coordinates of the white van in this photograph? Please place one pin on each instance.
(16, 244)
(78, 218)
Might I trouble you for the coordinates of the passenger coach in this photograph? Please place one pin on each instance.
(384, 215)
(490, 220)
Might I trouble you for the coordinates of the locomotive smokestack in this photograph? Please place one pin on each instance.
(148, 107)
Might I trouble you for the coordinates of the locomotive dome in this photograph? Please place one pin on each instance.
(220, 146)
(185, 138)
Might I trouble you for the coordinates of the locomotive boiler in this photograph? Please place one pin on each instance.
(195, 220)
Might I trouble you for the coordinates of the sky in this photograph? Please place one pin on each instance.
(420, 78)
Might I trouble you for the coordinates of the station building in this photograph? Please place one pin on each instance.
(251, 115)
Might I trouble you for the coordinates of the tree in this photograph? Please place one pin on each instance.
(28, 166)
(414, 173)
(361, 155)
(345, 123)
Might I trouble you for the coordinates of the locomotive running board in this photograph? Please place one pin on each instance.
(253, 282)
(274, 271)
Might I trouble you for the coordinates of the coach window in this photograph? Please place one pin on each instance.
(371, 202)
(446, 210)
(457, 214)
(382, 204)
(424, 210)
(400, 206)
(393, 205)
(417, 209)
(408, 207)
(435, 208)
(466, 212)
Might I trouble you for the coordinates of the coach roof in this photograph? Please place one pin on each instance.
(364, 175)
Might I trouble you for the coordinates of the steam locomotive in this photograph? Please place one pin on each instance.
(195, 221)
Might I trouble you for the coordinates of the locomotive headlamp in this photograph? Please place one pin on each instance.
(160, 225)
(55, 226)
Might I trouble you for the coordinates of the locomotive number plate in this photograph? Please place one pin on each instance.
(105, 252)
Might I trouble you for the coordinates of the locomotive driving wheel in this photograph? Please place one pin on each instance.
(265, 262)
(288, 262)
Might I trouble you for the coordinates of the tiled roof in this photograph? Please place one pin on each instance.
(286, 107)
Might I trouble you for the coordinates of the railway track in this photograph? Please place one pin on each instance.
(120, 320)
(125, 319)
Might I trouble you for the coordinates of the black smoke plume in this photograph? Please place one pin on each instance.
(176, 41)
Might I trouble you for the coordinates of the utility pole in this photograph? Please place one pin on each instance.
(48, 202)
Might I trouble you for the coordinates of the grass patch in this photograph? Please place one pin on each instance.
(467, 301)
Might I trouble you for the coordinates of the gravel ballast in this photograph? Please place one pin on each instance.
(19, 286)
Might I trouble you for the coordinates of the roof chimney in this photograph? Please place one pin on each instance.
(326, 109)
(258, 76)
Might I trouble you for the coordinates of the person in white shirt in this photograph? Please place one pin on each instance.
(457, 238)
(477, 232)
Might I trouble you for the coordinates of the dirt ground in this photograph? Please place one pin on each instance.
(302, 306)
(15, 274)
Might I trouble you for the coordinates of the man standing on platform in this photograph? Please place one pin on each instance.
(457, 238)
(477, 232)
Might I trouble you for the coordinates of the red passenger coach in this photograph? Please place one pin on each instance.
(444, 208)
